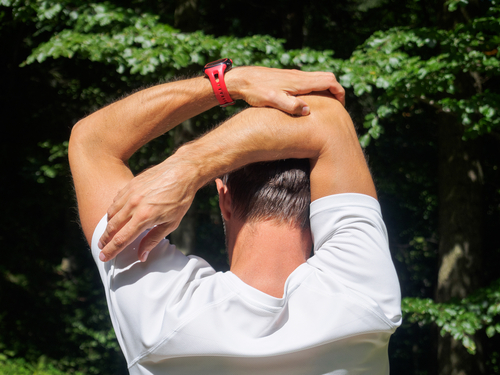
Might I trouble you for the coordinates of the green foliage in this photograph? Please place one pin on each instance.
(461, 319)
(19, 366)
(57, 164)
(425, 67)
(140, 44)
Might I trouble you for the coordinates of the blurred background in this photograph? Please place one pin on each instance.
(423, 87)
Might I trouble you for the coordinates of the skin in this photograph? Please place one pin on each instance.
(102, 143)
(262, 254)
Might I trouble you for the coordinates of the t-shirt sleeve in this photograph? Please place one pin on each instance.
(147, 300)
(350, 242)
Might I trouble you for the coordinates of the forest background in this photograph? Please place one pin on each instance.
(422, 80)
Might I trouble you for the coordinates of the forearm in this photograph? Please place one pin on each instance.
(326, 137)
(256, 134)
(121, 128)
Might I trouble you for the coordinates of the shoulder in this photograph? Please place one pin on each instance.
(351, 244)
(328, 213)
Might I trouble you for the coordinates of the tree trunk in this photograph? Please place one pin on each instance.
(460, 225)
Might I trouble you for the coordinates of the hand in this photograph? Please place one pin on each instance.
(278, 88)
(157, 199)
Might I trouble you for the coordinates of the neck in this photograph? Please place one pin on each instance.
(264, 254)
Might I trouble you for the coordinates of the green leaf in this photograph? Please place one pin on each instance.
(285, 59)
(382, 83)
(469, 344)
(384, 111)
(375, 131)
(487, 111)
(364, 140)
(490, 331)
(345, 79)
(454, 4)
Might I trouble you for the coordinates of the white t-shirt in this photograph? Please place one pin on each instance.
(175, 315)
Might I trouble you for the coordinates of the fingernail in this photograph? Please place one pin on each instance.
(144, 256)
(305, 111)
(100, 245)
(102, 257)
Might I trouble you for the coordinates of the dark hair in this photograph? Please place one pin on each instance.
(276, 190)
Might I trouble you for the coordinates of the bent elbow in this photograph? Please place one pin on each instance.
(79, 140)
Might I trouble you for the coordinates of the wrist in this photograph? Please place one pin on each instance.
(215, 71)
(210, 157)
(190, 161)
(236, 81)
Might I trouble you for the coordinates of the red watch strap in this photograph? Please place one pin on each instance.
(216, 77)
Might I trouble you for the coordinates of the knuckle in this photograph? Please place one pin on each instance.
(296, 106)
(153, 242)
(110, 228)
(104, 239)
(270, 96)
(143, 215)
(119, 241)
(331, 76)
(135, 200)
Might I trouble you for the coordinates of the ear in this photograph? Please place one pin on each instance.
(224, 199)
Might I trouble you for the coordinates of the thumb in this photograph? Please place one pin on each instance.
(292, 105)
(151, 240)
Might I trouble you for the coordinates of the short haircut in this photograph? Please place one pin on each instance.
(276, 190)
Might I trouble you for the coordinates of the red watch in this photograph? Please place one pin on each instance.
(215, 73)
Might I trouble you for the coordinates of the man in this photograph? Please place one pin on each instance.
(277, 311)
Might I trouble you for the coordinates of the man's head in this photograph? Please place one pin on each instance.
(277, 191)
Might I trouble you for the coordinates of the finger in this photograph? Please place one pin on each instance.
(303, 107)
(320, 81)
(336, 88)
(114, 224)
(121, 240)
(339, 93)
(290, 104)
(151, 240)
(119, 201)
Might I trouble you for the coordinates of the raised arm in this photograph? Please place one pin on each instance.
(327, 138)
(162, 195)
(102, 143)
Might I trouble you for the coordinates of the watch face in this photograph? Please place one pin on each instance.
(228, 63)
